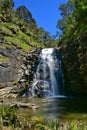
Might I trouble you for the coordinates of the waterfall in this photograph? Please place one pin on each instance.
(48, 78)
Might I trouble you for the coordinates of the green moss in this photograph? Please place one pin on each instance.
(78, 116)
(15, 82)
(1, 14)
(2, 46)
(37, 119)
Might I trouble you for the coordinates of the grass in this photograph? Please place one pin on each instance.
(6, 30)
(25, 40)
(10, 120)
(8, 116)
(12, 26)
(78, 116)
(23, 36)
(19, 42)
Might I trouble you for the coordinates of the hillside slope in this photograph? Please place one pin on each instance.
(19, 49)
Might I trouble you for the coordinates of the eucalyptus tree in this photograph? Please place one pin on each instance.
(6, 8)
(66, 11)
(24, 13)
(74, 17)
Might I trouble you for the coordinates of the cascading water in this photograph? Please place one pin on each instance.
(48, 79)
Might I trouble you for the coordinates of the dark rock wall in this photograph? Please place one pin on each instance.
(8, 64)
(74, 55)
(16, 66)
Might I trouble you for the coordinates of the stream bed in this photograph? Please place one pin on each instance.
(54, 108)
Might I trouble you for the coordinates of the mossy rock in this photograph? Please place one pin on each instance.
(3, 59)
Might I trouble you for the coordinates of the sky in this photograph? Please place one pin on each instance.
(45, 12)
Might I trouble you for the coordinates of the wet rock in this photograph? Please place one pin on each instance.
(27, 72)
(8, 92)
(24, 105)
(1, 101)
(19, 67)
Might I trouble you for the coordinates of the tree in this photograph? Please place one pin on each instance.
(26, 16)
(45, 37)
(24, 13)
(6, 7)
(66, 11)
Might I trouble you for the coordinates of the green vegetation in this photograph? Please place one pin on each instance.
(73, 43)
(20, 43)
(19, 27)
(20, 30)
(5, 30)
(10, 119)
(73, 22)
(3, 59)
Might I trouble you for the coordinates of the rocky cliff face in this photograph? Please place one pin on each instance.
(8, 63)
(16, 67)
(74, 54)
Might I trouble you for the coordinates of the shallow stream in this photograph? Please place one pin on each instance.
(55, 108)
